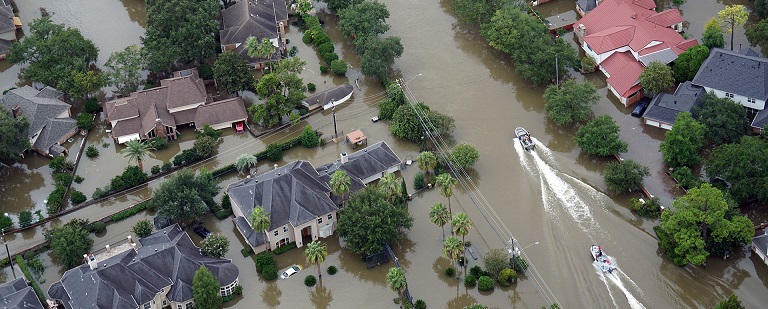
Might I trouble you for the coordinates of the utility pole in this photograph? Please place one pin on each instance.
(335, 132)
(557, 73)
(9, 255)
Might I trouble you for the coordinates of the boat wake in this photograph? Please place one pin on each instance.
(614, 279)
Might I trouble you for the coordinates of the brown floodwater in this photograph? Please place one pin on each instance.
(555, 196)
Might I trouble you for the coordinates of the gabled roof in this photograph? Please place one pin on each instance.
(254, 238)
(16, 294)
(665, 107)
(624, 72)
(610, 39)
(133, 277)
(41, 108)
(326, 96)
(761, 119)
(291, 194)
(5, 46)
(229, 110)
(366, 162)
(6, 18)
(184, 90)
(586, 5)
(732, 72)
(251, 18)
(619, 14)
(749, 52)
(52, 133)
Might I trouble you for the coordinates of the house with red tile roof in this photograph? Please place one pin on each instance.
(179, 100)
(623, 36)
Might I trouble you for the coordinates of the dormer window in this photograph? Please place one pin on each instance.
(751, 100)
(729, 95)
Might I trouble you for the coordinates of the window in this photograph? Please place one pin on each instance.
(178, 306)
(147, 306)
(285, 229)
(276, 232)
(729, 95)
(190, 305)
(319, 220)
(751, 100)
(330, 216)
(165, 302)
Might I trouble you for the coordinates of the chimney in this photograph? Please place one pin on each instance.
(344, 158)
(91, 261)
(16, 111)
(130, 240)
(109, 250)
(275, 166)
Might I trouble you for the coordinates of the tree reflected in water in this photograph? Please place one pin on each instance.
(271, 294)
(320, 296)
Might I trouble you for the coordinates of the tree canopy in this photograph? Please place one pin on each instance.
(42, 50)
(571, 102)
(732, 302)
(281, 91)
(744, 165)
(406, 123)
(732, 16)
(682, 144)
(702, 222)
(657, 77)
(216, 245)
(13, 135)
(205, 289)
(363, 19)
(180, 32)
(713, 35)
(124, 69)
(724, 120)
(336, 5)
(689, 62)
(625, 176)
(757, 34)
(378, 54)
(186, 197)
(464, 155)
(368, 221)
(69, 242)
(761, 8)
(601, 137)
(232, 72)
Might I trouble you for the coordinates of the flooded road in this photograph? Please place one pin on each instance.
(555, 196)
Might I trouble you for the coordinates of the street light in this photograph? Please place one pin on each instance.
(515, 250)
(412, 78)
(8, 251)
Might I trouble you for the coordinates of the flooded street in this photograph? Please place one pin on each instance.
(555, 196)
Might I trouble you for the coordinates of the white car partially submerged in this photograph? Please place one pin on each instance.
(295, 269)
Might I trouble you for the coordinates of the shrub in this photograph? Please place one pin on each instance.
(269, 272)
(309, 138)
(29, 255)
(485, 283)
(99, 192)
(5, 222)
(311, 87)
(58, 164)
(131, 211)
(63, 179)
(262, 260)
(142, 228)
(282, 249)
(155, 169)
(246, 252)
(323, 69)
(507, 276)
(325, 48)
(205, 71)
(339, 67)
(307, 37)
(24, 269)
(25, 218)
(274, 152)
(167, 166)
(476, 271)
(470, 281)
(132, 176)
(685, 177)
(518, 264)
(420, 304)
(92, 105)
(97, 227)
(159, 143)
(650, 209)
(225, 202)
(79, 179)
(310, 281)
(321, 37)
(104, 145)
(293, 51)
(56, 200)
(332, 270)
(85, 121)
(330, 57)
(588, 64)
(450, 271)
(238, 290)
(92, 152)
(77, 197)
(418, 181)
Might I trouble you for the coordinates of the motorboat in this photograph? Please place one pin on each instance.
(602, 260)
(525, 139)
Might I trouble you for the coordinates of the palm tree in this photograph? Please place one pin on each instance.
(396, 280)
(452, 249)
(245, 162)
(316, 253)
(427, 161)
(461, 226)
(439, 216)
(446, 183)
(136, 150)
(339, 184)
(260, 221)
(258, 49)
(390, 185)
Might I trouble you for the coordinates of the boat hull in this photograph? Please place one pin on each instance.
(525, 139)
(602, 260)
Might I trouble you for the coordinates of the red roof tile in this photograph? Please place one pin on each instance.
(646, 4)
(610, 39)
(667, 18)
(624, 72)
(653, 49)
(685, 45)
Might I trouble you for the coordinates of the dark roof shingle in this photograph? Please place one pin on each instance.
(732, 72)
(665, 107)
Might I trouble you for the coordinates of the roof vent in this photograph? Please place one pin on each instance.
(278, 173)
(634, 16)
(344, 158)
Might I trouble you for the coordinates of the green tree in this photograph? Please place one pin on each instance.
(395, 98)
(136, 150)
(53, 53)
(142, 229)
(339, 184)
(600, 137)
(464, 155)
(473, 11)
(427, 161)
(232, 72)
(703, 220)
(205, 289)
(724, 120)
(383, 222)
(180, 32)
(461, 226)
(732, 302)
(364, 19)
(260, 221)
(452, 250)
(216, 245)
(260, 49)
(5, 222)
(742, 164)
(337, 5)
(83, 84)
(186, 197)
(85, 121)
(25, 219)
(625, 176)
(683, 142)
(571, 102)
(495, 261)
(281, 91)
(732, 16)
(713, 35)
(447, 183)
(390, 185)
(406, 123)
(123, 69)
(761, 8)
(377, 55)
(68, 243)
(245, 162)
(689, 62)
(339, 67)
(396, 281)
(13, 137)
(316, 252)
(309, 138)
(757, 34)
(205, 146)
(656, 77)
(439, 216)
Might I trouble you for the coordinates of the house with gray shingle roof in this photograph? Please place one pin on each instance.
(739, 76)
(329, 98)
(178, 100)
(663, 109)
(8, 25)
(154, 273)
(17, 294)
(365, 165)
(254, 18)
(50, 122)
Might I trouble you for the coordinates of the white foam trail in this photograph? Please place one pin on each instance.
(572, 203)
(544, 150)
(616, 280)
(634, 285)
(523, 158)
(607, 287)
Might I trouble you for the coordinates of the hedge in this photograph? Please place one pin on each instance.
(282, 249)
(223, 170)
(24, 269)
(130, 211)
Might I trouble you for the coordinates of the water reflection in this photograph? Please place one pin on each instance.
(461, 301)
(16, 188)
(271, 294)
(320, 296)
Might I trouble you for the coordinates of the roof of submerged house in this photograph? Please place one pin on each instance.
(252, 18)
(42, 108)
(734, 72)
(16, 294)
(665, 107)
(624, 72)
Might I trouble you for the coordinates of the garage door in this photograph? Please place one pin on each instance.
(666, 126)
(652, 123)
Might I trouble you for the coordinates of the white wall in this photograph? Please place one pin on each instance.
(758, 105)
(185, 107)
